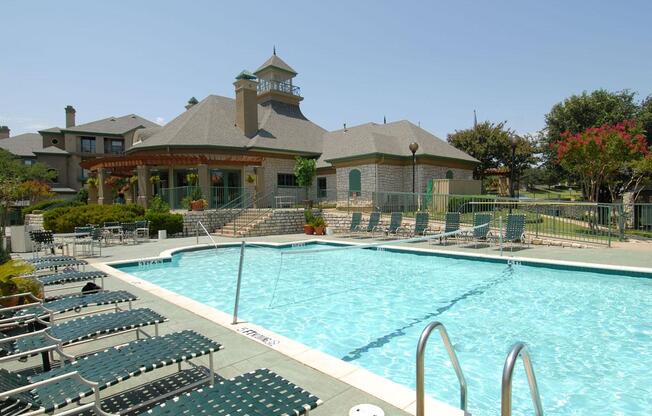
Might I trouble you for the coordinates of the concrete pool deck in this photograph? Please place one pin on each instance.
(340, 385)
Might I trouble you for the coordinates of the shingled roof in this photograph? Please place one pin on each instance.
(112, 125)
(387, 139)
(26, 145)
(276, 62)
(211, 123)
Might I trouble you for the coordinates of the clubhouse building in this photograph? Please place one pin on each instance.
(246, 144)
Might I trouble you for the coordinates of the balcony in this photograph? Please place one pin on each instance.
(265, 85)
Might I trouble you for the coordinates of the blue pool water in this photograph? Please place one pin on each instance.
(589, 333)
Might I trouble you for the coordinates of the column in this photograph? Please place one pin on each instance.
(205, 183)
(144, 186)
(104, 194)
(171, 192)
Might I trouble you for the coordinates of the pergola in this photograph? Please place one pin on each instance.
(141, 164)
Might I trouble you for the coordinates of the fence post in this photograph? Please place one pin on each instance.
(537, 220)
(609, 228)
(500, 233)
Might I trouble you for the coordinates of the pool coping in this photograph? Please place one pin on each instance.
(384, 389)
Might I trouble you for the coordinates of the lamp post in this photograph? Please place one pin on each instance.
(513, 141)
(414, 146)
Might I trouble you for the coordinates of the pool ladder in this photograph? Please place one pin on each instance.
(518, 350)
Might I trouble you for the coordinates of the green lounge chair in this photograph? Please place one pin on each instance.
(49, 258)
(52, 390)
(481, 227)
(56, 264)
(514, 229)
(452, 223)
(63, 304)
(55, 337)
(395, 222)
(260, 392)
(70, 277)
(356, 218)
(374, 220)
(421, 225)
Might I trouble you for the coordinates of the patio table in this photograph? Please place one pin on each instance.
(65, 239)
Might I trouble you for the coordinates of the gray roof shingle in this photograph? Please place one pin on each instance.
(389, 139)
(113, 125)
(26, 145)
(211, 122)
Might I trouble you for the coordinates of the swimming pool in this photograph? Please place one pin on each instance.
(589, 332)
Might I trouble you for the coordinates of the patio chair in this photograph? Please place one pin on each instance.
(42, 240)
(514, 229)
(55, 389)
(112, 230)
(88, 242)
(482, 232)
(58, 335)
(395, 221)
(356, 218)
(260, 392)
(374, 220)
(129, 232)
(47, 309)
(421, 225)
(452, 223)
(142, 229)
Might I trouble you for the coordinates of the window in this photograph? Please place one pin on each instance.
(286, 179)
(55, 141)
(449, 174)
(114, 146)
(87, 144)
(85, 173)
(321, 188)
(29, 162)
(355, 183)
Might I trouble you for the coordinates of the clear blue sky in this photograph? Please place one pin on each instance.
(429, 62)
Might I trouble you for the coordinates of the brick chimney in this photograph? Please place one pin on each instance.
(246, 103)
(70, 116)
(4, 132)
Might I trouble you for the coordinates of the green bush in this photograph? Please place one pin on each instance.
(172, 223)
(65, 219)
(50, 204)
(159, 205)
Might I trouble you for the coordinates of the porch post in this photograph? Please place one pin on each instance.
(144, 186)
(104, 194)
(204, 182)
(171, 184)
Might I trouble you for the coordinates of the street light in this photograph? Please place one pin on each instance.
(513, 141)
(414, 146)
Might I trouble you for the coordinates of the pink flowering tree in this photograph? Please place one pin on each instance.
(604, 156)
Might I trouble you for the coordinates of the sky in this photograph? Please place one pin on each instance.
(431, 62)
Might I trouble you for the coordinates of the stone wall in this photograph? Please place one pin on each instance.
(34, 221)
(279, 221)
(212, 219)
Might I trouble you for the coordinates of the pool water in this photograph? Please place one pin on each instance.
(589, 333)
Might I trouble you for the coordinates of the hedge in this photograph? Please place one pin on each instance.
(65, 219)
(173, 223)
(51, 204)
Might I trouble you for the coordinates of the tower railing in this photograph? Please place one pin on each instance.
(265, 85)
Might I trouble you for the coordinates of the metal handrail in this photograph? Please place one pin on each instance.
(518, 349)
(421, 347)
(260, 214)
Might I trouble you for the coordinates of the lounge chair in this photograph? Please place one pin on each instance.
(514, 229)
(481, 228)
(452, 223)
(356, 218)
(63, 304)
(71, 276)
(421, 225)
(395, 222)
(55, 337)
(56, 264)
(374, 220)
(260, 392)
(38, 260)
(52, 390)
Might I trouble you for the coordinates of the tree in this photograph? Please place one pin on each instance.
(600, 155)
(490, 144)
(305, 171)
(644, 117)
(19, 182)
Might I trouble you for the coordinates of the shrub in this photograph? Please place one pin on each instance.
(172, 223)
(65, 219)
(309, 216)
(159, 205)
(82, 196)
(318, 222)
(50, 204)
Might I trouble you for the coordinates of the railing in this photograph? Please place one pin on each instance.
(175, 196)
(218, 198)
(223, 196)
(421, 348)
(574, 221)
(265, 85)
(518, 350)
(265, 205)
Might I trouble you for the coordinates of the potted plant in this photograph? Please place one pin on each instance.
(308, 227)
(251, 178)
(319, 225)
(154, 179)
(92, 183)
(192, 179)
(11, 282)
(197, 201)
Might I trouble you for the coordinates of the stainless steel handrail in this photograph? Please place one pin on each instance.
(518, 349)
(421, 347)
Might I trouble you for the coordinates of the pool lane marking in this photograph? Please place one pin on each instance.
(385, 339)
